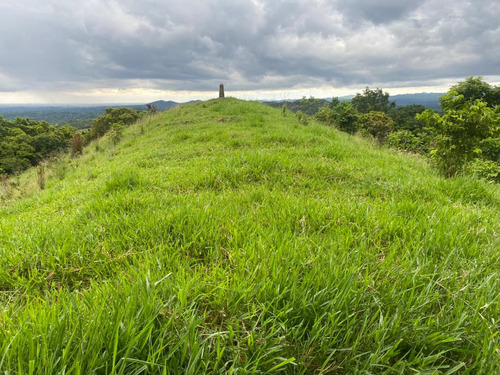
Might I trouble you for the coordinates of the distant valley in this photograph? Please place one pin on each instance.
(78, 116)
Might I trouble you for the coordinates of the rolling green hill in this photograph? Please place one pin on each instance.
(222, 237)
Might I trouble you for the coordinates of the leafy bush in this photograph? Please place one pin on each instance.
(405, 117)
(343, 115)
(490, 148)
(378, 124)
(460, 131)
(346, 117)
(303, 119)
(486, 169)
(77, 145)
(102, 124)
(324, 115)
(116, 133)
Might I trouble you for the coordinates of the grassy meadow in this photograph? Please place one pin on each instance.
(222, 237)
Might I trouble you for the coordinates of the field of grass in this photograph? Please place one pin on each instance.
(221, 237)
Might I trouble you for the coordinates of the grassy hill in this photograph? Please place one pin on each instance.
(222, 237)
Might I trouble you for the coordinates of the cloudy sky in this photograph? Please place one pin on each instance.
(131, 51)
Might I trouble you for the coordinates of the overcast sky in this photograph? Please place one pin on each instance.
(91, 51)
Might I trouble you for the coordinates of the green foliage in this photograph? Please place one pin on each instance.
(41, 176)
(77, 145)
(116, 133)
(490, 148)
(484, 168)
(123, 180)
(405, 117)
(324, 115)
(372, 100)
(343, 115)
(24, 143)
(473, 88)
(407, 141)
(460, 131)
(346, 117)
(302, 117)
(102, 124)
(377, 124)
(308, 106)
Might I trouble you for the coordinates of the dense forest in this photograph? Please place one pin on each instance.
(24, 143)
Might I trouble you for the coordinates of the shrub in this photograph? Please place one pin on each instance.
(102, 124)
(76, 145)
(41, 175)
(378, 124)
(486, 169)
(302, 117)
(346, 117)
(403, 140)
(461, 131)
(116, 133)
(490, 148)
(324, 115)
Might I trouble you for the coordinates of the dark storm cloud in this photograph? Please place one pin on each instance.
(378, 12)
(195, 44)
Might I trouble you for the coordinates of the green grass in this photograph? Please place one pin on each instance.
(222, 237)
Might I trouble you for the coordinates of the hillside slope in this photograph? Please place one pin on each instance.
(222, 237)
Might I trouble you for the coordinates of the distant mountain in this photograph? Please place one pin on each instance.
(429, 100)
(163, 105)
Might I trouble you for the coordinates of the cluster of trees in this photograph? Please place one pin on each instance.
(308, 106)
(24, 143)
(372, 112)
(114, 120)
(463, 137)
(466, 135)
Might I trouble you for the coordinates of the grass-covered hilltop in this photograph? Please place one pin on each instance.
(223, 237)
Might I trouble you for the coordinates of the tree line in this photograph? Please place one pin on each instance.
(463, 137)
(25, 143)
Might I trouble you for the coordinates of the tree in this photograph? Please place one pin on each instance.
(16, 152)
(116, 132)
(372, 100)
(405, 117)
(342, 115)
(310, 106)
(345, 117)
(102, 124)
(471, 89)
(461, 131)
(24, 143)
(378, 124)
